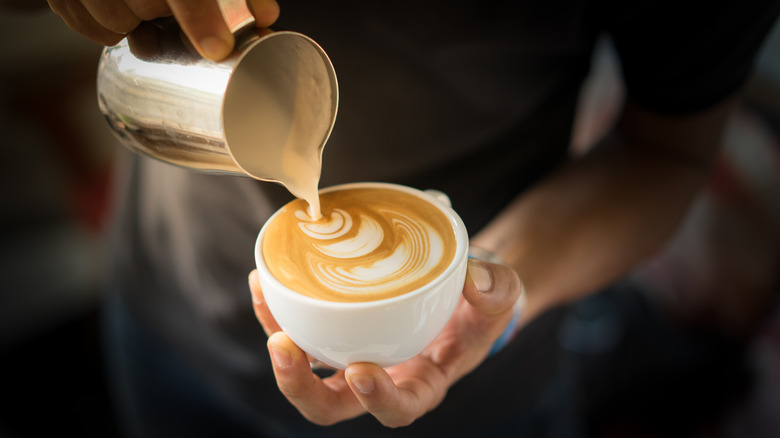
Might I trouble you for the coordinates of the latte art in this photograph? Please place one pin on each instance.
(369, 244)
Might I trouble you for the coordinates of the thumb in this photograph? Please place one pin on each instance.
(492, 289)
(493, 293)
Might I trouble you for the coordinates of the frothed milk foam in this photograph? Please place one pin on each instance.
(369, 244)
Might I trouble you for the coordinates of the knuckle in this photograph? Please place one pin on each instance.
(518, 288)
(321, 418)
(121, 24)
(512, 284)
(404, 415)
(291, 390)
(89, 28)
(397, 422)
(148, 9)
(107, 40)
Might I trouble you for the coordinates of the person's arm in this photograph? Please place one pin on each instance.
(595, 218)
(108, 21)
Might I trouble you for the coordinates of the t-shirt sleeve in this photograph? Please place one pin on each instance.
(679, 57)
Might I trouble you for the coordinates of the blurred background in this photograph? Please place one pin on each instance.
(54, 189)
(55, 194)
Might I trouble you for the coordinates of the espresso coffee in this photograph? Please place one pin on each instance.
(369, 244)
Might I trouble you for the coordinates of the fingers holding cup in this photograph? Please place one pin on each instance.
(485, 319)
(492, 290)
(495, 294)
(270, 326)
(321, 401)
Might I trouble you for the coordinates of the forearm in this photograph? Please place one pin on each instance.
(591, 221)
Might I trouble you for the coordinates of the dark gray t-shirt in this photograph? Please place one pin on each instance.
(472, 98)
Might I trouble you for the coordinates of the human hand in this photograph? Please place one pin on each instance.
(403, 393)
(108, 21)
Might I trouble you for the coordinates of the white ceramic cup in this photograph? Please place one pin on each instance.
(385, 332)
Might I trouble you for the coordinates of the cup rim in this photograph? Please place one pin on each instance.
(461, 252)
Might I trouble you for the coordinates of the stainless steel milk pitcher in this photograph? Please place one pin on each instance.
(276, 93)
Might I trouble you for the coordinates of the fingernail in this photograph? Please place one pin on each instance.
(214, 48)
(363, 383)
(281, 357)
(480, 275)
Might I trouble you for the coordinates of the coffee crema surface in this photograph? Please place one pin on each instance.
(369, 244)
